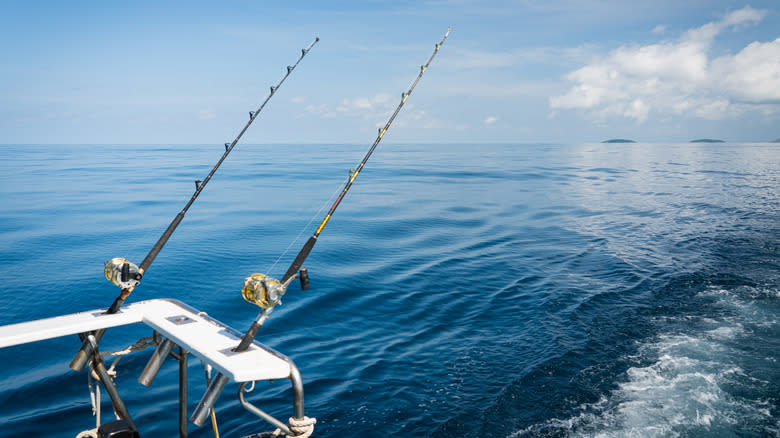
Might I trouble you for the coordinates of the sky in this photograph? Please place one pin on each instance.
(522, 71)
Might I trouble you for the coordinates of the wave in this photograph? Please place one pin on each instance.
(712, 379)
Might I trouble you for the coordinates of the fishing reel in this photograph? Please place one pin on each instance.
(122, 273)
(262, 290)
(266, 291)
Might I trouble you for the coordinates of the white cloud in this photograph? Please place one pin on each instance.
(366, 105)
(298, 99)
(660, 29)
(490, 120)
(678, 77)
(363, 107)
(753, 74)
(744, 16)
(323, 110)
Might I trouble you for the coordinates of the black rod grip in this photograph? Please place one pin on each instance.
(299, 259)
(115, 306)
(249, 336)
(165, 236)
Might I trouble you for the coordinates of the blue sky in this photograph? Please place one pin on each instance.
(512, 71)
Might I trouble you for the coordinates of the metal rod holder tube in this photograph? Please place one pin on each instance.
(155, 362)
(209, 398)
(183, 392)
(260, 413)
(85, 352)
(80, 360)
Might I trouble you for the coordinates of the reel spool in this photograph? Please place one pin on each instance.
(262, 290)
(122, 273)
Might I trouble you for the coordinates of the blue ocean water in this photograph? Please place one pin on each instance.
(515, 290)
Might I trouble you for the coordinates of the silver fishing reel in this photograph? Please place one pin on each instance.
(122, 272)
(266, 291)
(263, 291)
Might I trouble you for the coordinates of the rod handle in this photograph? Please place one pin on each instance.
(249, 336)
(299, 259)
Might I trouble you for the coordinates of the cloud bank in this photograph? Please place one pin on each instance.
(678, 77)
(363, 107)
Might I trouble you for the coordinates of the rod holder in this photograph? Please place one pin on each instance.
(82, 357)
(201, 412)
(155, 362)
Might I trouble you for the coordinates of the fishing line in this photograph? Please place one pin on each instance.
(305, 227)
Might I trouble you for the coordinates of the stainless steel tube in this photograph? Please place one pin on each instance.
(155, 362)
(209, 398)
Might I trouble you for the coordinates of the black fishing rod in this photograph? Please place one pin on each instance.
(126, 274)
(267, 292)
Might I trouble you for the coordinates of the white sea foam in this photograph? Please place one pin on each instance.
(688, 386)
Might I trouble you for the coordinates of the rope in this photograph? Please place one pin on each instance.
(94, 397)
(141, 344)
(92, 433)
(302, 428)
(92, 374)
(92, 379)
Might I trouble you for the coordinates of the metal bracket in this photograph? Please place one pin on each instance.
(260, 413)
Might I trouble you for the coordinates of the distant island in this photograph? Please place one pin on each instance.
(707, 140)
(776, 141)
(618, 140)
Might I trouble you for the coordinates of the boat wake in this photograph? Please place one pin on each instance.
(708, 379)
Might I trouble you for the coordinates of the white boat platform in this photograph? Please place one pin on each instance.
(204, 337)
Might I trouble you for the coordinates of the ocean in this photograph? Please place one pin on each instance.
(460, 290)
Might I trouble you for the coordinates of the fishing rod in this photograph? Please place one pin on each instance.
(126, 274)
(267, 292)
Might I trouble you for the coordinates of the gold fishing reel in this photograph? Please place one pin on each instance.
(262, 290)
(122, 272)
